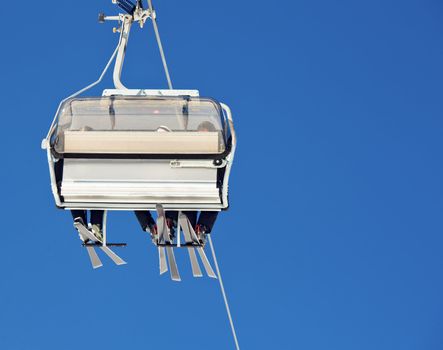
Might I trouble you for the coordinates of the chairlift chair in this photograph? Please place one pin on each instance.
(138, 149)
(126, 151)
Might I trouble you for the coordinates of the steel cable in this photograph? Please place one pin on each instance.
(160, 46)
(225, 298)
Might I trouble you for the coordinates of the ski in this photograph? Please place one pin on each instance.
(185, 224)
(95, 260)
(175, 276)
(165, 237)
(206, 263)
(162, 260)
(196, 271)
(114, 257)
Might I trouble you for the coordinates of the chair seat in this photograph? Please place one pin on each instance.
(140, 193)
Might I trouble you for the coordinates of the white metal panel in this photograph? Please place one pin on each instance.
(137, 181)
(117, 192)
(133, 170)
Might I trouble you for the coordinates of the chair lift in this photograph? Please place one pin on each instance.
(141, 150)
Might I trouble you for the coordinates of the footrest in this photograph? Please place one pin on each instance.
(186, 245)
(99, 244)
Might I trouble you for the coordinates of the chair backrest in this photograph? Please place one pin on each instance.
(142, 142)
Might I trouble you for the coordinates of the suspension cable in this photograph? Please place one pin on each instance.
(159, 43)
(225, 298)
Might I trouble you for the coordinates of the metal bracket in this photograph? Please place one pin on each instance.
(125, 28)
(140, 15)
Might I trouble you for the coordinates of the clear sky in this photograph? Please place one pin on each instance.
(334, 239)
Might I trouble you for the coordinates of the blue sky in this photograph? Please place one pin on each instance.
(334, 236)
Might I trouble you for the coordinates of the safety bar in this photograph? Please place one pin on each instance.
(230, 157)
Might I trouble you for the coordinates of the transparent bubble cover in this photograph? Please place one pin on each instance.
(141, 125)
